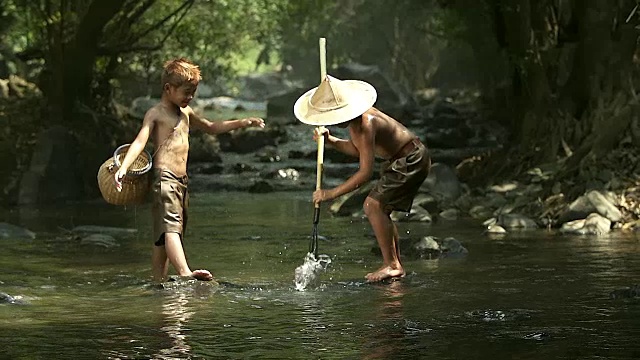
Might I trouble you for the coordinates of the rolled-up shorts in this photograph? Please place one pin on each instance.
(401, 178)
(170, 203)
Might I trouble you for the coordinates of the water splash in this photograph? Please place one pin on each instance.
(307, 273)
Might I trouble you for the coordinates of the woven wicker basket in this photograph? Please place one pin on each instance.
(135, 185)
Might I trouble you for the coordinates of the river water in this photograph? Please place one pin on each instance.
(531, 295)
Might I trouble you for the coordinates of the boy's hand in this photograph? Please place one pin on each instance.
(254, 122)
(118, 176)
(320, 130)
(321, 195)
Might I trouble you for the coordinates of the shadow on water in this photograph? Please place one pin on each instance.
(525, 296)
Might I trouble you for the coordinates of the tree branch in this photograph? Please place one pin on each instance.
(186, 5)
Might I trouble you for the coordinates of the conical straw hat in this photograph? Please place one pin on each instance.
(334, 101)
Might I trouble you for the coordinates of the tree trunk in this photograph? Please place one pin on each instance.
(71, 64)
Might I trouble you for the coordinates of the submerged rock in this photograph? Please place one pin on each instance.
(14, 300)
(626, 293)
(10, 231)
(431, 247)
(106, 230)
(102, 240)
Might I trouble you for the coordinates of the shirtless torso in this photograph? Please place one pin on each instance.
(370, 135)
(171, 138)
(387, 134)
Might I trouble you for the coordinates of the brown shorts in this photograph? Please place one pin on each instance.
(170, 203)
(401, 178)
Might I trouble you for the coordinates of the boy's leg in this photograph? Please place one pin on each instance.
(175, 254)
(387, 236)
(159, 262)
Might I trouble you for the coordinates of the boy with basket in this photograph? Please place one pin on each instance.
(168, 123)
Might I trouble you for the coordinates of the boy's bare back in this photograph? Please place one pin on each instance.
(170, 137)
(375, 128)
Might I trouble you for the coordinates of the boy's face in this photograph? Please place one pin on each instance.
(183, 94)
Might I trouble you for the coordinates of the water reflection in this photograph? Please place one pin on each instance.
(176, 315)
(314, 324)
(386, 340)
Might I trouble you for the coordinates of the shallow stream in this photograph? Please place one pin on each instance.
(531, 295)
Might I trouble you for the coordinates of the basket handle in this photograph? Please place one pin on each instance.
(124, 147)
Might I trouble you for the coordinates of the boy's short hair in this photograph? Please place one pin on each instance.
(179, 71)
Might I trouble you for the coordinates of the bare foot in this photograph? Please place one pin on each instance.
(203, 275)
(385, 272)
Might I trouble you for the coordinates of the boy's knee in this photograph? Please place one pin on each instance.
(371, 205)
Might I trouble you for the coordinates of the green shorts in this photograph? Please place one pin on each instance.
(170, 203)
(401, 178)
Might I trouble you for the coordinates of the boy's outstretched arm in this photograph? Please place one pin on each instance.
(219, 127)
(136, 147)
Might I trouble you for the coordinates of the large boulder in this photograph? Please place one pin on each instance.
(442, 183)
(280, 106)
(249, 140)
(261, 86)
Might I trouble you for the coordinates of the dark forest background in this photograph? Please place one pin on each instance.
(560, 75)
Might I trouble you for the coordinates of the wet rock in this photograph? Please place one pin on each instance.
(504, 188)
(452, 248)
(430, 247)
(101, 240)
(594, 224)
(495, 229)
(593, 201)
(449, 214)
(10, 231)
(512, 221)
(499, 315)
(13, 300)
(626, 293)
(604, 207)
(480, 212)
(289, 173)
(427, 202)
(417, 213)
(268, 154)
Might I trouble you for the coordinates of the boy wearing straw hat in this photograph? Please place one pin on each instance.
(168, 122)
(372, 133)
